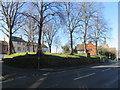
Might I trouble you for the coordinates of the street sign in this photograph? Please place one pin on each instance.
(39, 49)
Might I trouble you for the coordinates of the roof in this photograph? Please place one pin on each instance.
(112, 50)
(3, 42)
(80, 47)
(17, 39)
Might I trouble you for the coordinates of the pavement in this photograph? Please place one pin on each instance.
(91, 76)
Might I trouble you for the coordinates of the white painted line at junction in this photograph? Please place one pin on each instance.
(61, 72)
(37, 83)
(106, 69)
(9, 80)
(45, 74)
(20, 77)
(84, 76)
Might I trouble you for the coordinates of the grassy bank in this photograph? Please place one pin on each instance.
(18, 54)
(53, 54)
(48, 60)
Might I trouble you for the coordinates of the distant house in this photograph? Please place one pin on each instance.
(90, 48)
(80, 48)
(44, 48)
(3, 47)
(20, 45)
(113, 50)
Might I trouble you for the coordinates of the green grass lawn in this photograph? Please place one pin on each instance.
(53, 54)
(17, 54)
(62, 55)
(72, 56)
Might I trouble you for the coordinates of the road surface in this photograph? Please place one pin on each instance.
(96, 76)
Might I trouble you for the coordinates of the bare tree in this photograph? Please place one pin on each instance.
(30, 29)
(50, 32)
(89, 10)
(73, 14)
(10, 20)
(44, 13)
(100, 30)
(57, 43)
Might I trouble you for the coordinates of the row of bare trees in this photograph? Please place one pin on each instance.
(87, 20)
(43, 19)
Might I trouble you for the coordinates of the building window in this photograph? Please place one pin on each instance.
(90, 45)
(19, 49)
(89, 49)
(23, 43)
(4, 49)
(19, 43)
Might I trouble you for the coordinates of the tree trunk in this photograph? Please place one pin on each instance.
(56, 49)
(33, 47)
(13, 49)
(96, 42)
(10, 42)
(33, 42)
(50, 48)
(28, 46)
(85, 46)
(71, 44)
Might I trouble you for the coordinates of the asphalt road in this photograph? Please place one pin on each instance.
(96, 76)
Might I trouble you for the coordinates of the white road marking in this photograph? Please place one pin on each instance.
(8, 80)
(106, 69)
(11, 79)
(45, 74)
(61, 72)
(37, 83)
(84, 76)
(20, 77)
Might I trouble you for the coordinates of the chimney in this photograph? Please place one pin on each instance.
(4, 38)
(20, 36)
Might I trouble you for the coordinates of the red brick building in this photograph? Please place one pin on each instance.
(90, 48)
